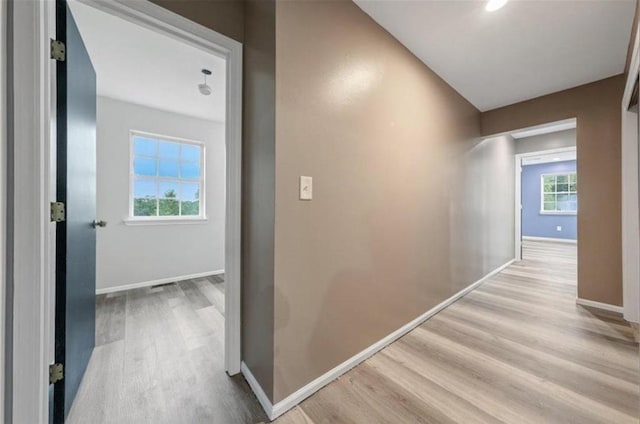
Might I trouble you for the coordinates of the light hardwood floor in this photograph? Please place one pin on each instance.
(516, 350)
(159, 358)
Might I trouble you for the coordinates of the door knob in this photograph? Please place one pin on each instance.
(101, 224)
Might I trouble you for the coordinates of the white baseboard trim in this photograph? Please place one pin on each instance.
(274, 411)
(599, 305)
(257, 390)
(155, 282)
(556, 240)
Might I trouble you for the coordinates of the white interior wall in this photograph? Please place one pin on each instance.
(128, 254)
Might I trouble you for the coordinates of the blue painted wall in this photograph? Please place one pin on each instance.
(535, 224)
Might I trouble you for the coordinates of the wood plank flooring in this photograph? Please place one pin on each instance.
(516, 350)
(159, 358)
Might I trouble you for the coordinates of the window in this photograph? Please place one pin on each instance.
(167, 177)
(559, 193)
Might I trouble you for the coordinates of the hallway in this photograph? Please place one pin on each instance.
(516, 350)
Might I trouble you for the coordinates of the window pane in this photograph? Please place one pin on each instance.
(562, 188)
(562, 179)
(144, 188)
(191, 153)
(549, 206)
(573, 187)
(144, 146)
(549, 179)
(549, 197)
(573, 178)
(144, 166)
(563, 206)
(190, 195)
(145, 207)
(190, 170)
(168, 190)
(562, 197)
(573, 206)
(168, 207)
(168, 204)
(191, 208)
(190, 191)
(169, 150)
(168, 168)
(573, 197)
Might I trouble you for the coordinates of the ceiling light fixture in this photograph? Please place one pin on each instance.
(556, 159)
(493, 5)
(205, 89)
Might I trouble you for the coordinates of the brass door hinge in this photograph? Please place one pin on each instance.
(57, 212)
(56, 373)
(58, 51)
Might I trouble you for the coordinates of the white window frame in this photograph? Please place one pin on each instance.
(201, 217)
(542, 193)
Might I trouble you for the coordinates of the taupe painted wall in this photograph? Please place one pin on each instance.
(409, 205)
(537, 143)
(223, 16)
(597, 108)
(258, 191)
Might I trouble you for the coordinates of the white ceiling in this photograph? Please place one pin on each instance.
(138, 65)
(524, 50)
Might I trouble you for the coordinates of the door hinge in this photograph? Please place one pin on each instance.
(56, 373)
(58, 50)
(57, 212)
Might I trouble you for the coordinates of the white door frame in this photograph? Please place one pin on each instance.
(518, 198)
(630, 207)
(33, 145)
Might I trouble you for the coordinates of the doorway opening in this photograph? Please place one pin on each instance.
(160, 159)
(546, 198)
(186, 199)
(546, 185)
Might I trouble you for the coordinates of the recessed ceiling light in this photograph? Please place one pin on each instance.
(556, 158)
(493, 5)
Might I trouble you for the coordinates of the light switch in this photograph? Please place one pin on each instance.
(306, 188)
(558, 228)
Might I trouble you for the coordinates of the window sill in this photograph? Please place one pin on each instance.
(166, 221)
(570, 213)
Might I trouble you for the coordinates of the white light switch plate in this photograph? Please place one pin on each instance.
(306, 188)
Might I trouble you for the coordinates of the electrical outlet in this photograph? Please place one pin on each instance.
(559, 228)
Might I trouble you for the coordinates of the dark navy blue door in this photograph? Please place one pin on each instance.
(76, 187)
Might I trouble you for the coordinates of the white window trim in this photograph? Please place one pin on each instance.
(166, 220)
(556, 212)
